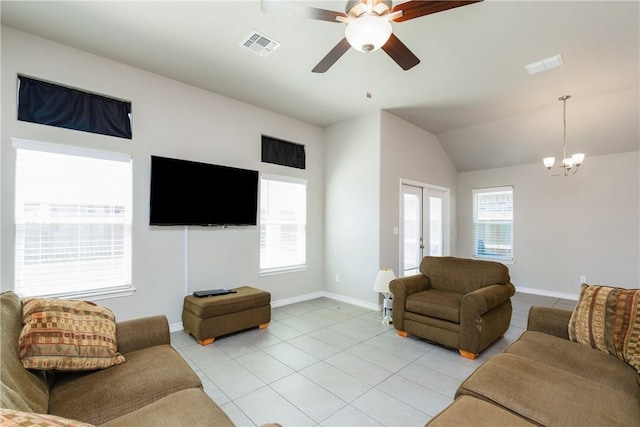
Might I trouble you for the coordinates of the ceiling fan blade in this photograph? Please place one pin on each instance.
(331, 57)
(301, 11)
(416, 9)
(400, 53)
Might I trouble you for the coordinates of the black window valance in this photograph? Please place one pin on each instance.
(50, 104)
(283, 153)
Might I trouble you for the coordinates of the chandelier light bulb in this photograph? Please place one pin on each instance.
(368, 33)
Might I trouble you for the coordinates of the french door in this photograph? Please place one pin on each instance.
(424, 221)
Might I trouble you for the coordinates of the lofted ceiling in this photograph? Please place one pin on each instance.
(471, 88)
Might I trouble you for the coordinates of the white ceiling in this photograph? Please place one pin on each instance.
(471, 88)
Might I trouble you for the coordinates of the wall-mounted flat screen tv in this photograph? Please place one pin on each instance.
(185, 192)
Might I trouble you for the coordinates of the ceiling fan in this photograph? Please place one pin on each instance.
(368, 25)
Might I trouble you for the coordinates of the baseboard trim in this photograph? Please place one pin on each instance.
(353, 301)
(546, 293)
(330, 295)
(176, 327)
(299, 298)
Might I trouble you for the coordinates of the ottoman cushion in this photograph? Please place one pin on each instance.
(244, 299)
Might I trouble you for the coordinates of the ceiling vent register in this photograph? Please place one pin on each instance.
(260, 44)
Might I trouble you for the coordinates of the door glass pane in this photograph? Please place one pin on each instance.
(436, 231)
(411, 237)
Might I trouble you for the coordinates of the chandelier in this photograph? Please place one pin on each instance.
(569, 165)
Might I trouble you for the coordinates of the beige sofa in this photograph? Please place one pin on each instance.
(457, 302)
(545, 379)
(154, 387)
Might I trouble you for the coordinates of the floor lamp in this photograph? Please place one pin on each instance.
(381, 285)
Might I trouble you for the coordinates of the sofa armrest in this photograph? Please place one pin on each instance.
(549, 320)
(141, 333)
(484, 299)
(401, 288)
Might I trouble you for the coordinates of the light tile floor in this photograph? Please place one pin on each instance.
(327, 363)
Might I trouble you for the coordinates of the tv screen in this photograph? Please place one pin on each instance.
(192, 193)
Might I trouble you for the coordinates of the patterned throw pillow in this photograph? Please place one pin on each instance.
(11, 418)
(608, 319)
(67, 335)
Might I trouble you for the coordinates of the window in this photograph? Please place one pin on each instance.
(283, 223)
(493, 223)
(72, 219)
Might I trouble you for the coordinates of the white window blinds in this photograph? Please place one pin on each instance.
(283, 223)
(493, 223)
(72, 220)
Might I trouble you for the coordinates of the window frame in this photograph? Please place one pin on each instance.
(268, 271)
(474, 250)
(116, 290)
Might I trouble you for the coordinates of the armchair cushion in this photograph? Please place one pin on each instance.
(436, 303)
(462, 275)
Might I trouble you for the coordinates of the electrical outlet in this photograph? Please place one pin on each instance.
(337, 277)
(583, 279)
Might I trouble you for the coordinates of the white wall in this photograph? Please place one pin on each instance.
(352, 207)
(565, 227)
(365, 158)
(411, 153)
(174, 120)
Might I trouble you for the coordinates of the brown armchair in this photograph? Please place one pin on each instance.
(459, 303)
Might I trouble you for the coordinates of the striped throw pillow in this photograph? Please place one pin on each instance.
(608, 319)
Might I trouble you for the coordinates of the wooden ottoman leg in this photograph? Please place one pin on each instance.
(467, 355)
(264, 326)
(206, 342)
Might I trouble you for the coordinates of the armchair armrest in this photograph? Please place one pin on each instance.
(401, 288)
(484, 299)
(549, 320)
(141, 333)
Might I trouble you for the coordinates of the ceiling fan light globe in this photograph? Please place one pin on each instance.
(368, 33)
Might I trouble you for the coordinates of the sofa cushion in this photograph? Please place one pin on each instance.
(191, 407)
(466, 410)
(462, 275)
(99, 396)
(67, 335)
(547, 395)
(10, 417)
(436, 303)
(20, 389)
(608, 319)
(572, 357)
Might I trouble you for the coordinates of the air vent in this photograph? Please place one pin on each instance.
(544, 64)
(260, 44)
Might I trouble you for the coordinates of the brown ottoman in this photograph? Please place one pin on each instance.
(210, 317)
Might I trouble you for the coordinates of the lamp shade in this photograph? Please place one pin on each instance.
(549, 161)
(381, 284)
